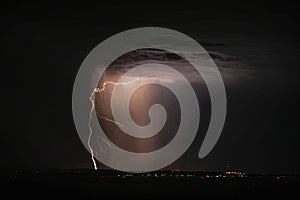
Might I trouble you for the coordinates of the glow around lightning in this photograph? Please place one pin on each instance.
(98, 61)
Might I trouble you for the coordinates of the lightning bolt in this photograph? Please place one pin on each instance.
(110, 120)
(90, 127)
(91, 98)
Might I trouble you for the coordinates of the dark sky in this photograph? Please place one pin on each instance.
(256, 47)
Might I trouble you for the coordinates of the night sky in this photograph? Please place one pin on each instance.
(255, 46)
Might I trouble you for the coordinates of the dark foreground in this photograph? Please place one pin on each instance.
(85, 184)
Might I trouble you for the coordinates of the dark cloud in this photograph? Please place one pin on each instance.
(256, 47)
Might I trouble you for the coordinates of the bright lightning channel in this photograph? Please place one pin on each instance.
(92, 99)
